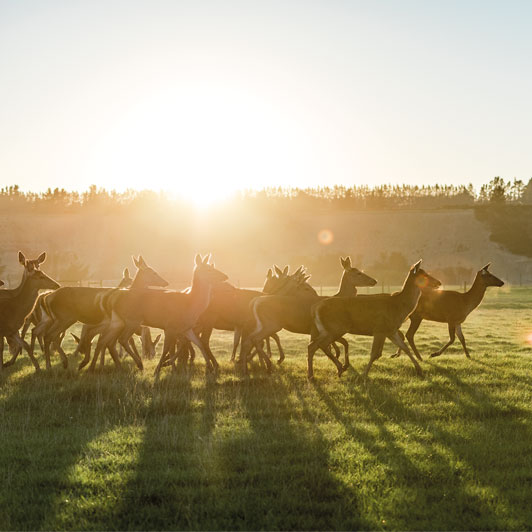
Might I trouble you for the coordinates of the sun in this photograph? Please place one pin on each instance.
(201, 144)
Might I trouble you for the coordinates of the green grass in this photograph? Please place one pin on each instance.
(117, 450)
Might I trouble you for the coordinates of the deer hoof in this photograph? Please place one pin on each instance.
(395, 355)
(280, 361)
(433, 355)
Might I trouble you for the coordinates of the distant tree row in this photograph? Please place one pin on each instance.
(358, 197)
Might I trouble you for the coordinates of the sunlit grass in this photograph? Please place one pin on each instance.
(117, 450)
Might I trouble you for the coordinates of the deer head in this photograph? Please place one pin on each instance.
(487, 278)
(353, 276)
(31, 264)
(127, 280)
(421, 278)
(204, 272)
(146, 276)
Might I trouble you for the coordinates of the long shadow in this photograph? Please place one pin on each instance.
(450, 488)
(40, 443)
(288, 482)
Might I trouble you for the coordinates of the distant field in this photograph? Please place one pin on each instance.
(116, 450)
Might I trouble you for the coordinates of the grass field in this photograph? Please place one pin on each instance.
(116, 450)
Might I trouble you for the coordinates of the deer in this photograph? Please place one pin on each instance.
(378, 315)
(85, 304)
(230, 310)
(15, 306)
(451, 307)
(293, 313)
(176, 313)
(41, 320)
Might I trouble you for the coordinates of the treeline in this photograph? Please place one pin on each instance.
(496, 192)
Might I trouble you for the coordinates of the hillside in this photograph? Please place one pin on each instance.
(246, 243)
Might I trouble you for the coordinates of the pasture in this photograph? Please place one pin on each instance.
(119, 450)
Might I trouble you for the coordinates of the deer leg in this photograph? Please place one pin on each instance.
(376, 351)
(343, 341)
(107, 340)
(452, 330)
(336, 350)
(1, 353)
(311, 351)
(268, 347)
(398, 352)
(415, 322)
(327, 350)
(124, 337)
(170, 338)
(277, 340)
(205, 340)
(399, 341)
(460, 335)
(236, 340)
(191, 335)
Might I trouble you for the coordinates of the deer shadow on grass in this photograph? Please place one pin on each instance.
(288, 482)
(229, 454)
(445, 465)
(49, 421)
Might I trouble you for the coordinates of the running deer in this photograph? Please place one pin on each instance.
(293, 313)
(85, 304)
(175, 313)
(378, 315)
(229, 309)
(448, 306)
(15, 307)
(42, 321)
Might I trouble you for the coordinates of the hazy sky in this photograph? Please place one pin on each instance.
(202, 97)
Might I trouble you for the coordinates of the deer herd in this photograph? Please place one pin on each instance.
(287, 301)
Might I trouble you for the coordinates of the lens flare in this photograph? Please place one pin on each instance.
(529, 338)
(325, 237)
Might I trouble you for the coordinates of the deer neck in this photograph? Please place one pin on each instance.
(138, 283)
(200, 295)
(18, 289)
(476, 293)
(25, 299)
(409, 294)
(345, 289)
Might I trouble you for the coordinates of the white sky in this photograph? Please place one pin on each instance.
(207, 97)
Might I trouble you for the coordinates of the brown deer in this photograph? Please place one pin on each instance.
(378, 315)
(230, 309)
(85, 304)
(451, 307)
(15, 307)
(293, 313)
(175, 313)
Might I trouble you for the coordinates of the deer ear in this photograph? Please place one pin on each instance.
(125, 273)
(306, 278)
(285, 271)
(416, 266)
(198, 260)
(347, 263)
(142, 262)
(21, 258)
(157, 338)
(135, 261)
(298, 271)
(487, 266)
(208, 259)
(278, 270)
(269, 274)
